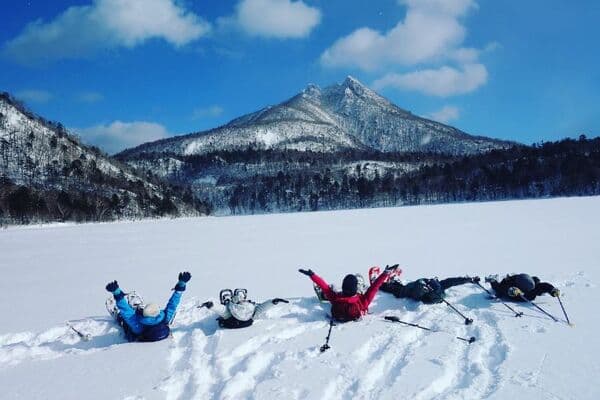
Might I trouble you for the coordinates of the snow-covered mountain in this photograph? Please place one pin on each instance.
(336, 118)
(53, 169)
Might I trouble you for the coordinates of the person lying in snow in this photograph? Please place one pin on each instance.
(428, 291)
(236, 311)
(349, 305)
(148, 323)
(514, 287)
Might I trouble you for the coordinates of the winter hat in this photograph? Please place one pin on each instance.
(151, 310)
(349, 285)
(524, 282)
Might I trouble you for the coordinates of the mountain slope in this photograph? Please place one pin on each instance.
(48, 174)
(336, 118)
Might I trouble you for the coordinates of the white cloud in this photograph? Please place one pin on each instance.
(430, 31)
(90, 97)
(207, 112)
(119, 135)
(275, 18)
(445, 114)
(83, 30)
(430, 36)
(442, 82)
(34, 96)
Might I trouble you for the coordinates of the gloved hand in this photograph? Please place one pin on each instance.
(514, 292)
(184, 277)
(112, 286)
(307, 272)
(278, 300)
(207, 304)
(475, 279)
(555, 292)
(391, 268)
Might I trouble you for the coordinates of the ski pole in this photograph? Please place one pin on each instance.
(517, 313)
(83, 336)
(468, 321)
(326, 345)
(538, 307)
(564, 311)
(396, 319)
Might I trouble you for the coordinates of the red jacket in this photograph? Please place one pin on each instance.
(349, 308)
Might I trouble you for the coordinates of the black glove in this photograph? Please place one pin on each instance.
(475, 279)
(112, 286)
(185, 277)
(278, 300)
(306, 272)
(207, 304)
(555, 292)
(392, 268)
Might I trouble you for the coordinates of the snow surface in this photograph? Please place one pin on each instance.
(55, 273)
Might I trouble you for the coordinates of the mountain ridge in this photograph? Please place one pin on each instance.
(48, 174)
(338, 117)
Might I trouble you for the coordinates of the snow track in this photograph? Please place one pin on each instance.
(207, 362)
(278, 357)
(271, 358)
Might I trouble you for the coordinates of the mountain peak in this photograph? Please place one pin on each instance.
(353, 83)
(351, 80)
(312, 90)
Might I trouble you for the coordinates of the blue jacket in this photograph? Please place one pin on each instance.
(137, 323)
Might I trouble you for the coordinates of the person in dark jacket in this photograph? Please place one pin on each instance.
(428, 291)
(349, 305)
(515, 287)
(148, 323)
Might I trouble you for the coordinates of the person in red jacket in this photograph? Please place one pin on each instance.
(349, 305)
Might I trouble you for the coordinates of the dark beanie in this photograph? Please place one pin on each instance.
(349, 285)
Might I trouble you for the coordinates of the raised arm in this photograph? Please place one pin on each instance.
(171, 308)
(262, 308)
(125, 310)
(372, 290)
(324, 286)
(327, 292)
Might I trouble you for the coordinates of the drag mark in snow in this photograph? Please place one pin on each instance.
(57, 342)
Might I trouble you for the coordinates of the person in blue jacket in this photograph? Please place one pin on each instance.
(150, 323)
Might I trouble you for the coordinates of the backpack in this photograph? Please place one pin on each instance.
(154, 333)
(232, 323)
(346, 309)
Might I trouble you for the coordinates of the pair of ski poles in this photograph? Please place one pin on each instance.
(520, 314)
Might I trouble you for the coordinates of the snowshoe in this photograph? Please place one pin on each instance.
(361, 287)
(135, 300)
(239, 295)
(374, 273)
(111, 307)
(225, 296)
(319, 293)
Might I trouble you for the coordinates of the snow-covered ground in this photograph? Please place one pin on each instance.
(56, 273)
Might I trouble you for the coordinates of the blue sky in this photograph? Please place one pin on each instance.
(121, 72)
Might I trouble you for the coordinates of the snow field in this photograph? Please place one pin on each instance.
(57, 273)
